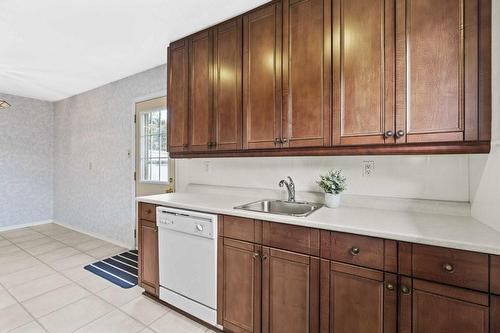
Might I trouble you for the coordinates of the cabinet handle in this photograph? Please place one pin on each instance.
(256, 255)
(264, 257)
(388, 134)
(284, 140)
(400, 134)
(355, 250)
(405, 290)
(390, 286)
(277, 140)
(449, 268)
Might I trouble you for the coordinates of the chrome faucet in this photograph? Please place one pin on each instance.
(290, 186)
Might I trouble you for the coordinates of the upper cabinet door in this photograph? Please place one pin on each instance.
(200, 91)
(306, 72)
(228, 85)
(437, 56)
(364, 69)
(262, 77)
(177, 96)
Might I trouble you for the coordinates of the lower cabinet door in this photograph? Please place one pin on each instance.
(290, 292)
(495, 314)
(362, 300)
(148, 257)
(240, 287)
(437, 308)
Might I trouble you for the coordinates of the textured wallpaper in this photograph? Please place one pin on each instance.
(26, 161)
(93, 132)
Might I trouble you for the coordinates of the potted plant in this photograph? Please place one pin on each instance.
(333, 183)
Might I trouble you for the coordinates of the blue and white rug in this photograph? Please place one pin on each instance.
(120, 269)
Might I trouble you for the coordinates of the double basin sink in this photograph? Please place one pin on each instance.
(300, 209)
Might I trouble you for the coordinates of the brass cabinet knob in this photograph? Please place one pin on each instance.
(355, 250)
(277, 140)
(405, 290)
(448, 268)
(390, 286)
(284, 140)
(400, 134)
(256, 255)
(388, 134)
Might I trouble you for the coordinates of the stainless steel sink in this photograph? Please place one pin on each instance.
(300, 209)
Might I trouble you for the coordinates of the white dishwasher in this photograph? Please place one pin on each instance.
(187, 244)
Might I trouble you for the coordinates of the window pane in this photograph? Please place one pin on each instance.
(154, 155)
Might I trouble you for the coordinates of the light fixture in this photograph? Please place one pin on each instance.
(4, 104)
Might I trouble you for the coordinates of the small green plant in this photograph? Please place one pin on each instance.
(333, 182)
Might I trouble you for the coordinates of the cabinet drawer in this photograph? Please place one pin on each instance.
(147, 212)
(358, 250)
(291, 237)
(241, 228)
(495, 274)
(455, 267)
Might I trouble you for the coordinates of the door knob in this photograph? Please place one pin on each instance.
(400, 134)
(388, 134)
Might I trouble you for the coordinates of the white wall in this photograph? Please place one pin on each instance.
(486, 206)
(94, 132)
(443, 177)
(26, 163)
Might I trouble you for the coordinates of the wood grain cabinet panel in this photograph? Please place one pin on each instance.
(456, 267)
(147, 212)
(363, 37)
(306, 73)
(148, 257)
(228, 90)
(358, 250)
(435, 308)
(362, 300)
(177, 96)
(290, 283)
(291, 237)
(495, 314)
(438, 54)
(200, 88)
(262, 77)
(240, 311)
(495, 274)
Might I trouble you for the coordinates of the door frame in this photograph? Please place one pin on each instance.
(133, 153)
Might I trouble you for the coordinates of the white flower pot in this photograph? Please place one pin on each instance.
(332, 200)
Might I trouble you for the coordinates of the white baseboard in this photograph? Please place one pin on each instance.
(25, 225)
(98, 236)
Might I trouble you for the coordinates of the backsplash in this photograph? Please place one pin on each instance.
(443, 177)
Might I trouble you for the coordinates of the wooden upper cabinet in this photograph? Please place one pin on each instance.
(437, 56)
(364, 69)
(200, 88)
(177, 96)
(262, 77)
(306, 73)
(290, 292)
(228, 85)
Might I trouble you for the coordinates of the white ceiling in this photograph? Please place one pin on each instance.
(53, 49)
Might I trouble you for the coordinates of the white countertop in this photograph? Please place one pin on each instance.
(459, 232)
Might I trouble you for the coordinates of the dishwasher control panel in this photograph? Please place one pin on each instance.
(193, 223)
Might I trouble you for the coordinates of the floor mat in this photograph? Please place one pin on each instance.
(120, 269)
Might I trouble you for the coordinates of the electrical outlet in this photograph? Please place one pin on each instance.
(368, 168)
(206, 166)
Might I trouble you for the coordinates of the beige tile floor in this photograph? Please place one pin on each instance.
(44, 288)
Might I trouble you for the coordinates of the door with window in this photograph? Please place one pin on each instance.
(153, 168)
